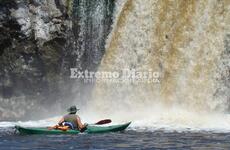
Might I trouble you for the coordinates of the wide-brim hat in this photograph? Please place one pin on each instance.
(72, 109)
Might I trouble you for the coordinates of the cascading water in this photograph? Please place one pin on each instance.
(91, 25)
(185, 41)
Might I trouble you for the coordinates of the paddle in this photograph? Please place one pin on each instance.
(101, 122)
(105, 121)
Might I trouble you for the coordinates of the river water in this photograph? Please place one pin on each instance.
(129, 139)
(133, 138)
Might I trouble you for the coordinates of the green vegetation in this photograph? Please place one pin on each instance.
(69, 5)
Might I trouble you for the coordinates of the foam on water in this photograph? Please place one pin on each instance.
(184, 121)
(39, 123)
(162, 118)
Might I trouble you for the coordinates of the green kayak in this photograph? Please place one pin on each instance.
(90, 129)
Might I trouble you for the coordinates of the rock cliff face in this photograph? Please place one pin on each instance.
(40, 41)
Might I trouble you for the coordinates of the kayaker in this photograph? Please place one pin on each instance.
(72, 120)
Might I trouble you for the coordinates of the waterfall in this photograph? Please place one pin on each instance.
(185, 41)
(91, 25)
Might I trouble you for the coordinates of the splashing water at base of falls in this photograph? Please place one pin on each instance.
(39, 123)
(182, 40)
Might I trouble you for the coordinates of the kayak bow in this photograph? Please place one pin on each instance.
(90, 129)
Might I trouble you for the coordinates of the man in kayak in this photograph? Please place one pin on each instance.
(72, 120)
